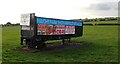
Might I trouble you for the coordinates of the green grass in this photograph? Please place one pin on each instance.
(0, 44)
(102, 22)
(102, 47)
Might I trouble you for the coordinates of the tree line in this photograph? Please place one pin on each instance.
(10, 24)
(98, 19)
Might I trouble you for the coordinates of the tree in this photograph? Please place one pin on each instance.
(8, 23)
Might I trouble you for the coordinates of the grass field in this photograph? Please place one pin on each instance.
(102, 22)
(0, 44)
(102, 47)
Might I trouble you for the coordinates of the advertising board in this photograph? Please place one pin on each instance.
(46, 26)
(44, 29)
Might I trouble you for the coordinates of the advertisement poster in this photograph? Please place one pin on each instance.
(70, 30)
(59, 29)
(44, 29)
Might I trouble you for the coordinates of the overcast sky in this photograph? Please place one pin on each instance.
(10, 10)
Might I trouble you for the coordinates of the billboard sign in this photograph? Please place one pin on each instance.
(47, 26)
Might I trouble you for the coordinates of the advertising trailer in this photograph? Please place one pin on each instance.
(36, 30)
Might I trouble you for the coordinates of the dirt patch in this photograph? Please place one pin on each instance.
(25, 49)
(56, 47)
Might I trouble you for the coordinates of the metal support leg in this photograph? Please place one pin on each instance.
(69, 40)
(21, 41)
(63, 41)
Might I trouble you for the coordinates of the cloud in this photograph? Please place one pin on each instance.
(103, 9)
(104, 6)
(119, 5)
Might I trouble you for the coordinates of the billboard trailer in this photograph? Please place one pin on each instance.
(36, 30)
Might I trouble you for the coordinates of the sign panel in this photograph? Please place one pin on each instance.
(25, 28)
(44, 29)
(57, 22)
(70, 30)
(58, 29)
(48, 26)
(25, 19)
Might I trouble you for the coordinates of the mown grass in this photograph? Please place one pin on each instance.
(0, 44)
(101, 22)
(102, 47)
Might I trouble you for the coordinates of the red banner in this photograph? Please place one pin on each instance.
(55, 29)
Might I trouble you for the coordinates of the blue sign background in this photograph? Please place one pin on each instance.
(57, 22)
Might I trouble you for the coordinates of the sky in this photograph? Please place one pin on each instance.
(11, 10)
